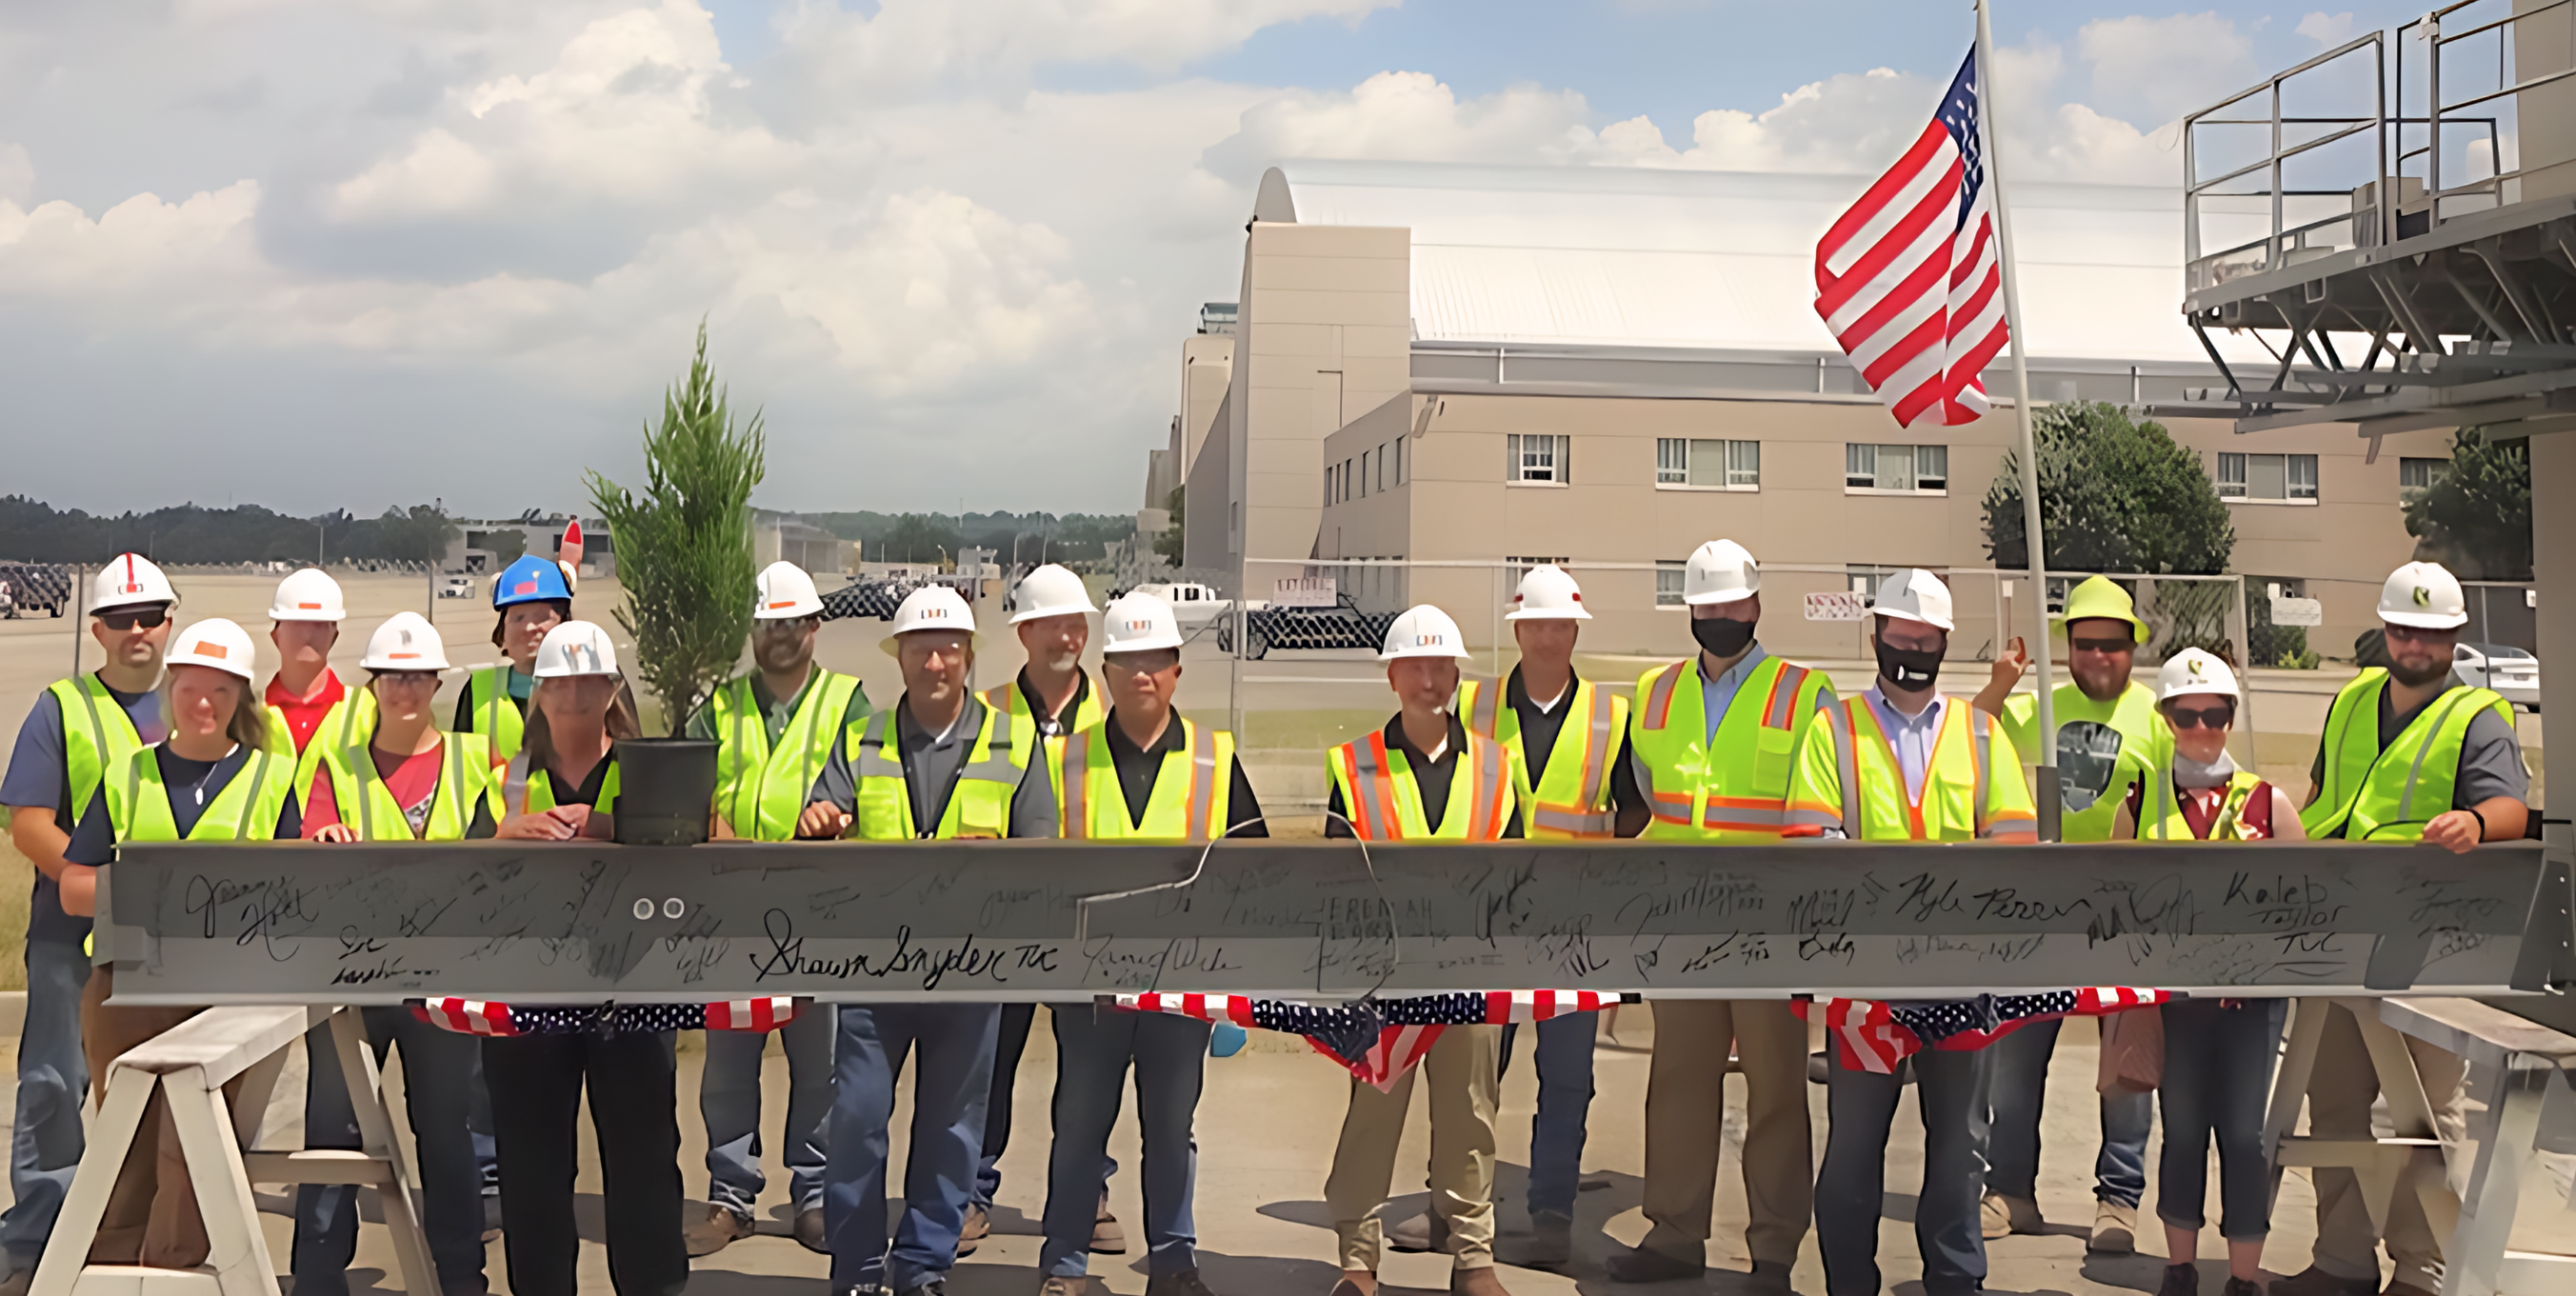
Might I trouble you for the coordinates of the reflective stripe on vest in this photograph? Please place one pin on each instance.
(979, 806)
(760, 790)
(1188, 803)
(247, 809)
(1009, 700)
(1379, 785)
(1572, 797)
(2163, 820)
(465, 776)
(350, 722)
(96, 738)
(495, 715)
(2375, 794)
(1737, 790)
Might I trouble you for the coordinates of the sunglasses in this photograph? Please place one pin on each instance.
(789, 626)
(150, 619)
(2102, 645)
(2203, 717)
(1150, 662)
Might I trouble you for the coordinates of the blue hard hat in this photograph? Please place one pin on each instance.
(530, 580)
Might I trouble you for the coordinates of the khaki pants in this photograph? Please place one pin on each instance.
(152, 1216)
(1464, 1074)
(1685, 1116)
(2340, 1092)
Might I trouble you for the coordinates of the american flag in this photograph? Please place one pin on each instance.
(485, 1017)
(1378, 1040)
(1874, 1035)
(1910, 279)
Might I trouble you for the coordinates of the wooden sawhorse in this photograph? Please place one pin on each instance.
(2530, 1091)
(190, 1064)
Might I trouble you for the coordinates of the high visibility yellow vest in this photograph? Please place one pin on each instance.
(1736, 790)
(979, 806)
(1385, 802)
(1009, 700)
(1572, 799)
(2375, 795)
(98, 736)
(138, 803)
(466, 779)
(761, 790)
(1190, 796)
(1849, 778)
(350, 722)
(533, 792)
(2160, 817)
(495, 713)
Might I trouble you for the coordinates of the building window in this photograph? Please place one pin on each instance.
(1399, 461)
(1381, 467)
(1865, 580)
(2291, 478)
(1668, 582)
(1538, 459)
(1346, 479)
(2415, 476)
(1364, 474)
(1708, 464)
(1900, 469)
(1330, 473)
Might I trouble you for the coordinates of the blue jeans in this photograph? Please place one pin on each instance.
(53, 1079)
(437, 1067)
(2021, 1090)
(1564, 1106)
(951, 1088)
(1951, 1091)
(2218, 1076)
(729, 1103)
(1093, 1048)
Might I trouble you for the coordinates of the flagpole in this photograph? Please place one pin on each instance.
(2046, 756)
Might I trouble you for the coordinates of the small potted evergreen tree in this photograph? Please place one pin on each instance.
(684, 556)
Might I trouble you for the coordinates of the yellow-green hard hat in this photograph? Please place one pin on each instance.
(2096, 597)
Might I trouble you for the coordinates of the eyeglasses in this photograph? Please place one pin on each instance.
(2202, 717)
(1152, 661)
(408, 679)
(149, 619)
(788, 626)
(2417, 634)
(2102, 645)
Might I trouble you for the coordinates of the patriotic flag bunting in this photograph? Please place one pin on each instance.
(1378, 1040)
(481, 1017)
(1873, 1035)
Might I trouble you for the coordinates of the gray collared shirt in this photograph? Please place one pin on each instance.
(1912, 736)
(931, 765)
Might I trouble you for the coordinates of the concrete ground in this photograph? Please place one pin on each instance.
(1266, 1130)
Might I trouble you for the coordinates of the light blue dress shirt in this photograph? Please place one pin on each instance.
(1912, 736)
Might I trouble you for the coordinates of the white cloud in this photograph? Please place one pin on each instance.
(2327, 30)
(1408, 115)
(2166, 66)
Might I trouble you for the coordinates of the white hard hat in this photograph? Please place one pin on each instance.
(786, 593)
(1547, 594)
(129, 580)
(1139, 623)
(213, 642)
(307, 595)
(2423, 596)
(1423, 631)
(575, 648)
(1050, 591)
(1720, 572)
(1915, 595)
(932, 607)
(405, 642)
(2194, 671)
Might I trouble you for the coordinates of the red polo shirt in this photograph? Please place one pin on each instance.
(304, 715)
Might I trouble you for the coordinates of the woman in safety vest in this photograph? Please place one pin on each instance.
(212, 779)
(407, 781)
(2218, 1052)
(564, 786)
(533, 596)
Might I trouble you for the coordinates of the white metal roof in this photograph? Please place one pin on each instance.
(1622, 256)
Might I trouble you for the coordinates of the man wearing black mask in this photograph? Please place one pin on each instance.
(1712, 742)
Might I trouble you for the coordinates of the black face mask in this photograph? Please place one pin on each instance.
(1912, 669)
(1722, 636)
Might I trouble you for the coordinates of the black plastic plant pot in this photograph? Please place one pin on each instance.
(664, 786)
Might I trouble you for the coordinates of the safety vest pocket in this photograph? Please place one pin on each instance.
(1774, 752)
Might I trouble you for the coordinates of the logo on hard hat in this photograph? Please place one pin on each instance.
(2193, 665)
(2423, 597)
(1140, 626)
(1427, 640)
(782, 603)
(206, 648)
(524, 587)
(308, 607)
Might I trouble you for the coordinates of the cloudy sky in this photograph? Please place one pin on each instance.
(325, 253)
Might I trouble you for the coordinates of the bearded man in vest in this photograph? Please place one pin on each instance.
(775, 726)
(2109, 741)
(78, 730)
(2409, 754)
(1423, 777)
(1712, 744)
(1050, 698)
(1903, 763)
(938, 765)
(1143, 773)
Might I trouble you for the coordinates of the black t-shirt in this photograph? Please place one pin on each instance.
(1138, 768)
(1430, 777)
(1538, 728)
(585, 793)
(192, 785)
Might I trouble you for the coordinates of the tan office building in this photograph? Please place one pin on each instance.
(1605, 367)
